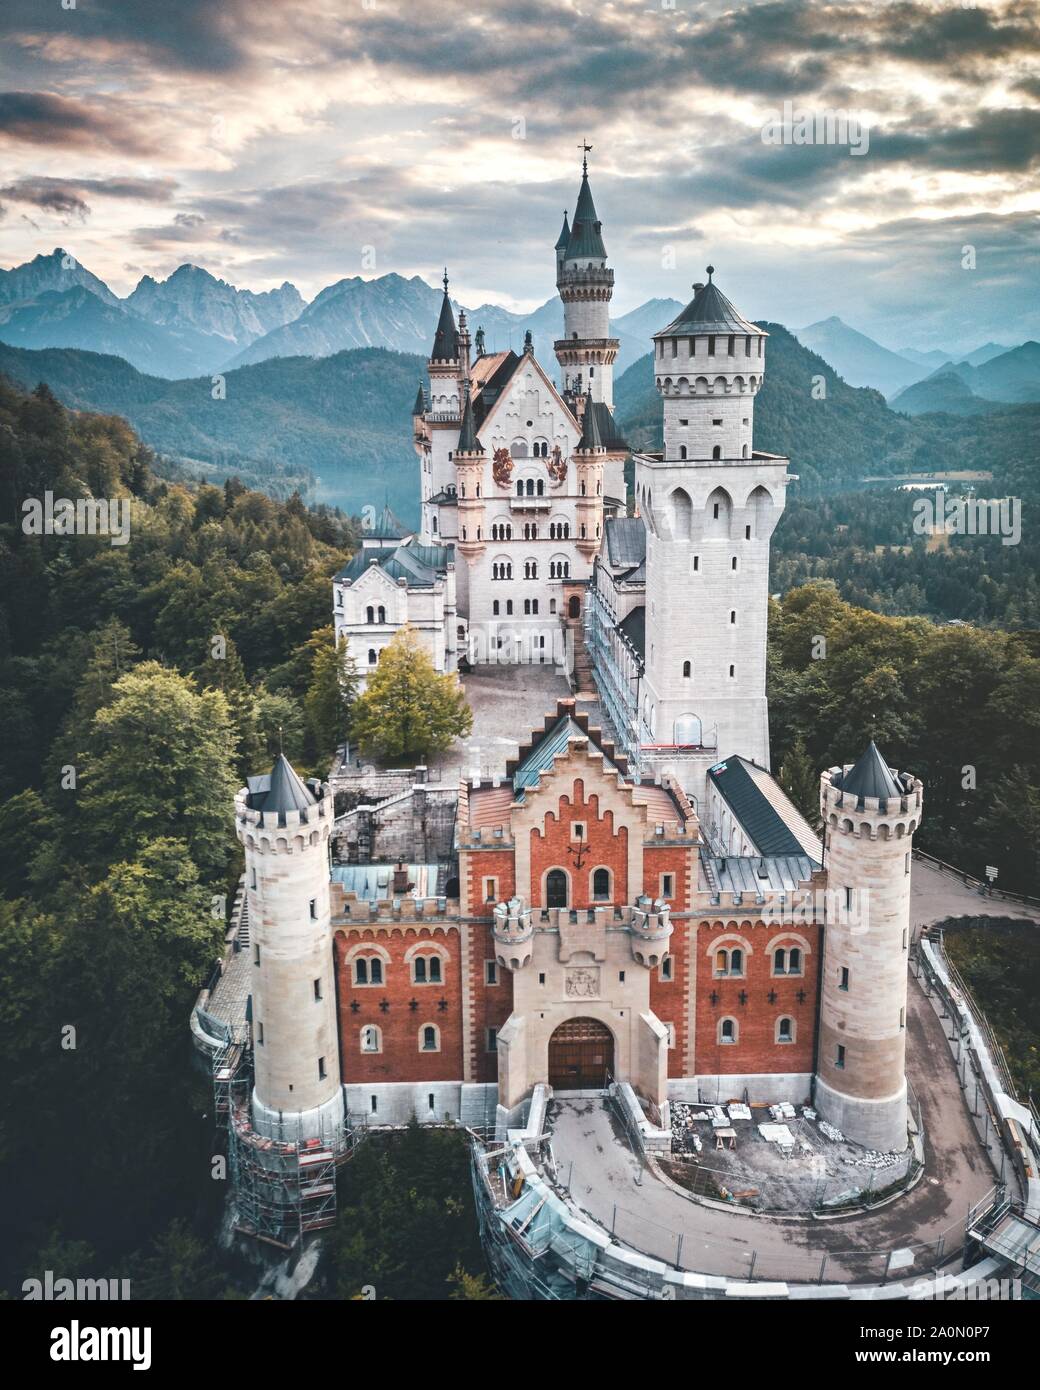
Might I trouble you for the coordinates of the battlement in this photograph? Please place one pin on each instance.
(876, 817)
(284, 831)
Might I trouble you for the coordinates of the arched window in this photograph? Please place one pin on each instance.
(372, 658)
(368, 970)
(426, 970)
(370, 614)
(729, 960)
(687, 670)
(682, 451)
(681, 514)
(716, 452)
(785, 1030)
(382, 614)
(530, 487)
(728, 1030)
(371, 1038)
(494, 608)
(556, 888)
(429, 1038)
(601, 884)
(574, 606)
(541, 487)
(519, 487)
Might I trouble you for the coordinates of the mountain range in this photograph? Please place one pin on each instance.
(961, 388)
(193, 324)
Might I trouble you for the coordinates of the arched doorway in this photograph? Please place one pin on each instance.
(556, 888)
(581, 1055)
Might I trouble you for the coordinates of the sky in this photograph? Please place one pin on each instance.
(312, 141)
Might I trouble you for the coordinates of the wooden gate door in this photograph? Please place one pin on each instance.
(581, 1055)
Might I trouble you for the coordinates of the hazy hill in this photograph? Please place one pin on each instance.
(1011, 378)
(344, 419)
(946, 390)
(54, 273)
(857, 358)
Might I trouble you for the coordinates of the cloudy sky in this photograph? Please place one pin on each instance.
(271, 141)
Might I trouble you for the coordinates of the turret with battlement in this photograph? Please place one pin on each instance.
(870, 813)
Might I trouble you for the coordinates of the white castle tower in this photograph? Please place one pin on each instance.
(284, 825)
(709, 504)
(870, 814)
(586, 352)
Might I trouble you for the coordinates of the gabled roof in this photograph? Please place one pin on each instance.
(418, 565)
(280, 790)
(446, 338)
(553, 739)
(419, 408)
(772, 824)
(493, 389)
(709, 311)
(585, 239)
(869, 776)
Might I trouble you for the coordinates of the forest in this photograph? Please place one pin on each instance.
(140, 682)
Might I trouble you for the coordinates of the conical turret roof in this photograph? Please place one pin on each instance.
(468, 441)
(446, 338)
(281, 790)
(590, 435)
(565, 235)
(709, 311)
(419, 408)
(585, 238)
(870, 775)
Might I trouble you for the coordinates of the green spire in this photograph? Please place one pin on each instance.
(419, 408)
(585, 238)
(565, 234)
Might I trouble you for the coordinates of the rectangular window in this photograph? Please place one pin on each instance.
(492, 1040)
(375, 1104)
(904, 938)
(696, 563)
(667, 885)
(429, 1101)
(839, 1059)
(509, 607)
(621, 977)
(666, 968)
(848, 899)
(491, 890)
(843, 977)
(747, 533)
(906, 867)
(716, 422)
(902, 1018)
(252, 880)
(260, 1034)
(541, 979)
(321, 1068)
(317, 989)
(491, 972)
(732, 672)
(256, 955)
(314, 909)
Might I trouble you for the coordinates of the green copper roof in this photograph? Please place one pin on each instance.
(565, 235)
(585, 238)
(419, 408)
(709, 311)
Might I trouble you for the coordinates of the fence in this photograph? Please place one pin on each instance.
(970, 881)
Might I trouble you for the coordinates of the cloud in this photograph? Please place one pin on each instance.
(45, 118)
(68, 197)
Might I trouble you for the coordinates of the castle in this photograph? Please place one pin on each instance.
(638, 900)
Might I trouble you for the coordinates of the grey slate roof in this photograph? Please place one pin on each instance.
(590, 437)
(760, 820)
(761, 874)
(280, 790)
(709, 311)
(419, 408)
(626, 540)
(418, 565)
(609, 434)
(585, 239)
(446, 338)
(468, 441)
(869, 776)
(388, 527)
(634, 628)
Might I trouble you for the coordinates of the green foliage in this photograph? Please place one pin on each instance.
(406, 1224)
(1000, 963)
(957, 706)
(408, 710)
(331, 695)
(801, 781)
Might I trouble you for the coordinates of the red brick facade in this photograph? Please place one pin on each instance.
(555, 847)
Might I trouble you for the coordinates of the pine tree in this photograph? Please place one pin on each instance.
(799, 780)
(223, 670)
(409, 710)
(330, 697)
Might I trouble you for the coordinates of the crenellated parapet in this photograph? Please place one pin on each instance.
(513, 931)
(876, 817)
(651, 928)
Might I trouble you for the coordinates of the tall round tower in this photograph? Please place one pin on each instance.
(589, 461)
(586, 352)
(870, 813)
(470, 462)
(284, 825)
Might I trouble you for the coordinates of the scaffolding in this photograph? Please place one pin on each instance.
(282, 1189)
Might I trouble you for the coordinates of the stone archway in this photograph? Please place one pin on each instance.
(581, 1055)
